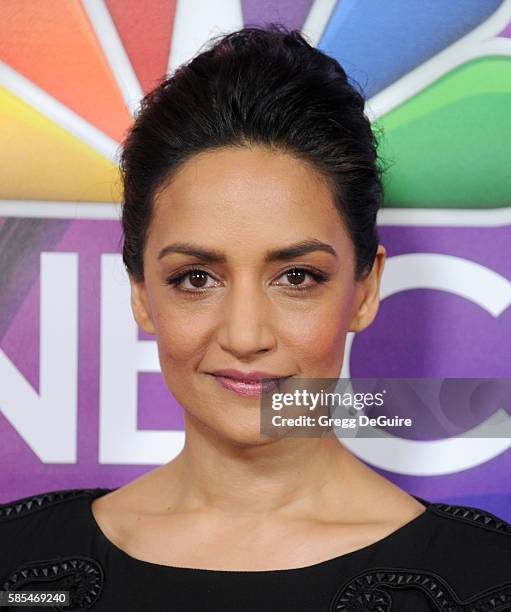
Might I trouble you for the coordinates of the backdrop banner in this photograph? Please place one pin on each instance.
(82, 399)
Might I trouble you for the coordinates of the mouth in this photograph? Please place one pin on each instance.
(249, 388)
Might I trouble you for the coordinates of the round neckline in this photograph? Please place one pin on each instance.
(100, 491)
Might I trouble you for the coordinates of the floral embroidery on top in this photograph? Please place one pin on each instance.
(371, 590)
(82, 576)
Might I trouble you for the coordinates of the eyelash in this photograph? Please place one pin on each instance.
(319, 278)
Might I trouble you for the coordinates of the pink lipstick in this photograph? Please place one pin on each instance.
(248, 384)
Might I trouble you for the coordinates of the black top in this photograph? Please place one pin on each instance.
(447, 559)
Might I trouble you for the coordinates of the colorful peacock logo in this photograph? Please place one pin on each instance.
(73, 73)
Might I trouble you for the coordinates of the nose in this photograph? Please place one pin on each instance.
(246, 326)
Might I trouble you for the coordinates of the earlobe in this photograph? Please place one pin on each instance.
(365, 313)
(368, 294)
(140, 306)
(361, 319)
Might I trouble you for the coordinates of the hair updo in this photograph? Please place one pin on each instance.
(265, 86)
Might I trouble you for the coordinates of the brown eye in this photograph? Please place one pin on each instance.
(297, 279)
(296, 276)
(192, 281)
(198, 278)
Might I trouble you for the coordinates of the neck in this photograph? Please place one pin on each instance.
(292, 476)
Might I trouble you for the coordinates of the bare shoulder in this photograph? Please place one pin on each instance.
(402, 506)
(118, 511)
(387, 505)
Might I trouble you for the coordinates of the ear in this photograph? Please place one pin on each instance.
(368, 294)
(140, 306)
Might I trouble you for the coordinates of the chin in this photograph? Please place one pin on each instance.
(249, 440)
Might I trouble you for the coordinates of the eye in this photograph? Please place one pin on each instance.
(297, 276)
(192, 281)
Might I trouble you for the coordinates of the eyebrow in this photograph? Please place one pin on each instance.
(282, 254)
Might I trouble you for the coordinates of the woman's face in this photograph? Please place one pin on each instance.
(273, 288)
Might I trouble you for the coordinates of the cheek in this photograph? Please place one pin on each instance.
(181, 336)
(317, 336)
(317, 339)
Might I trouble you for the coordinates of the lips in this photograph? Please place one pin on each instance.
(246, 388)
(254, 376)
(248, 384)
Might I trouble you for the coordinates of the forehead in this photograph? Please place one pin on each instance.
(249, 195)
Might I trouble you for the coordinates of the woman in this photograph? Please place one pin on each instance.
(252, 184)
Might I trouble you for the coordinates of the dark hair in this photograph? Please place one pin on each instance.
(265, 86)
